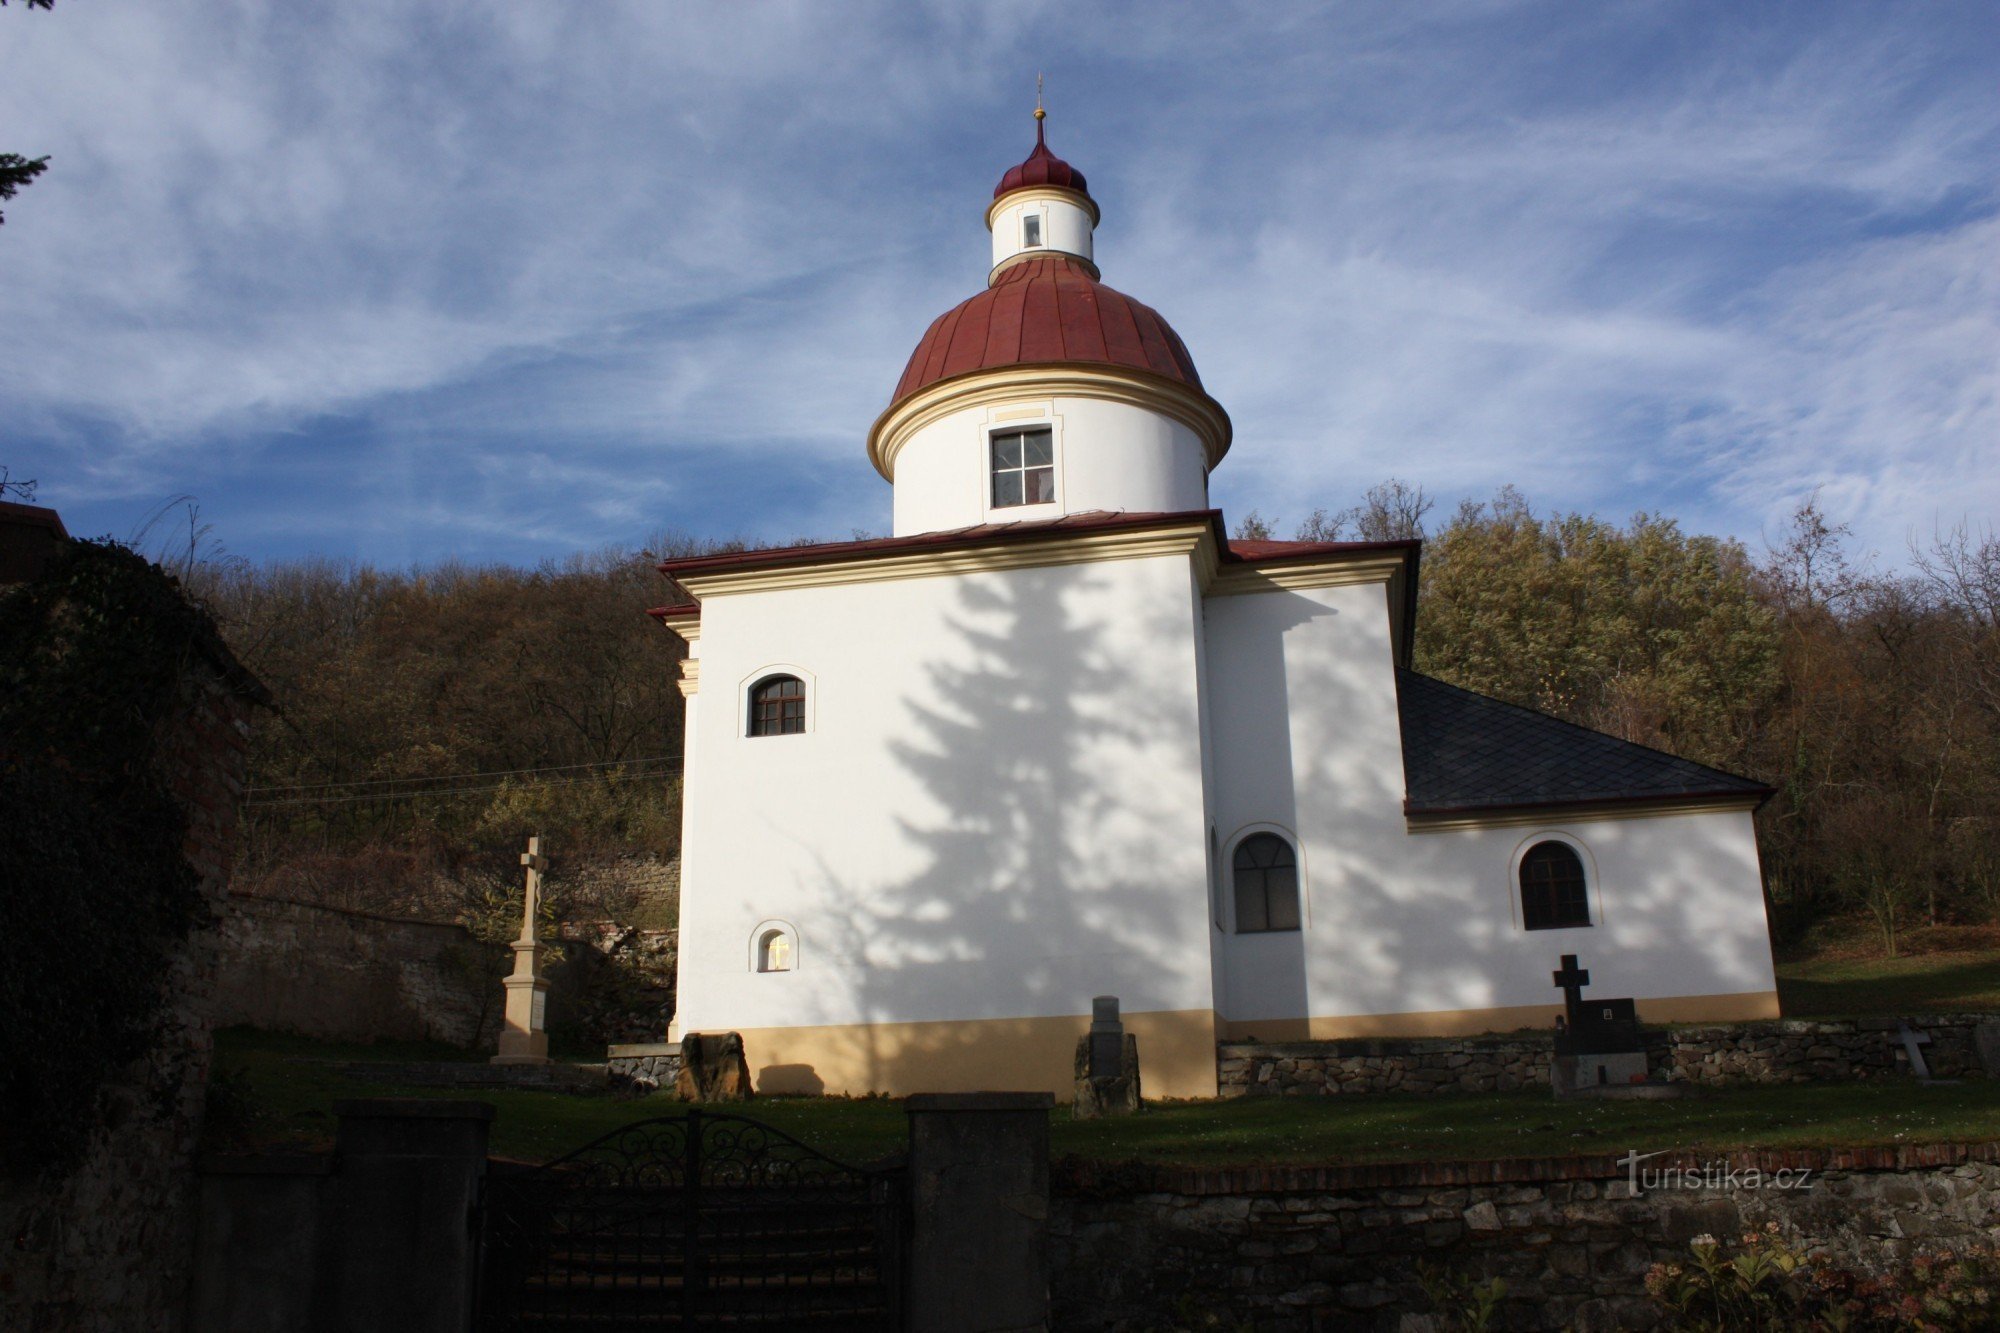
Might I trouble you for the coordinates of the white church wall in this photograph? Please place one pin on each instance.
(1109, 455)
(1288, 670)
(996, 814)
(1408, 933)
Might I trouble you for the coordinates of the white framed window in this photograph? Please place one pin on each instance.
(777, 700)
(1263, 881)
(1023, 467)
(1553, 881)
(1031, 231)
(774, 947)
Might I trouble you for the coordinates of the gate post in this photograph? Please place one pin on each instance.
(408, 1182)
(979, 1211)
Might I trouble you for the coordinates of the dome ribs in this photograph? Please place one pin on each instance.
(1153, 338)
(913, 373)
(1041, 327)
(1123, 343)
(967, 348)
(1003, 331)
(1080, 321)
(1047, 310)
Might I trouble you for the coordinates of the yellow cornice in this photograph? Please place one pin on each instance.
(1446, 821)
(1042, 252)
(1191, 407)
(1059, 193)
(690, 681)
(1334, 570)
(1194, 537)
(686, 624)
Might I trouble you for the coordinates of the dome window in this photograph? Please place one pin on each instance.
(1031, 231)
(1024, 468)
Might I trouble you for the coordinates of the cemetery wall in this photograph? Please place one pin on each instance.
(107, 1248)
(1781, 1051)
(352, 976)
(1340, 1247)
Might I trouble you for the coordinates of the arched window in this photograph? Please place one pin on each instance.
(1267, 884)
(778, 706)
(1553, 894)
(774, 951)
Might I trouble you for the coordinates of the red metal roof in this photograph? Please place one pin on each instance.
(1044, 310)
(824, 553)
(1041, 168)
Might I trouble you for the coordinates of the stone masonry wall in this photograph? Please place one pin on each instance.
(1138, 1247)
(107, 1249)
(1783, 1051)
(324, 972)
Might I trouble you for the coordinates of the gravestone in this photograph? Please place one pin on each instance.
(1599, 1043)
(1107, 1065)
(713, 1068)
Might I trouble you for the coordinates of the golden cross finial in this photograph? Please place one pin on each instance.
(1039, 113)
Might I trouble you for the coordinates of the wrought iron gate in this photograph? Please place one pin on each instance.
(686, 1222)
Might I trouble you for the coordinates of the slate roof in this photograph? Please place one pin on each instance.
(1464, 751)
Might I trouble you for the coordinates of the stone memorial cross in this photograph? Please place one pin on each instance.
(524, 1038)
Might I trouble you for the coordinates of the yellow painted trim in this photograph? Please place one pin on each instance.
(1040, 252)
(690, 681)
(1335, 570)
(687, 626)
(1548, 815)
(1176, 1055)
(1029, 193)
(1734, 1007)
(1060, 547)
(1192, 408)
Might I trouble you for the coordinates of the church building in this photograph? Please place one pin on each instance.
(1059, 736)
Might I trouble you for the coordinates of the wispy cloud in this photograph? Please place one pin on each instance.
(408, 281)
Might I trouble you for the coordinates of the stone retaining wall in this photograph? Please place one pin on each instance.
(657, 1061)
(1139, 1247)
(353, 976)
(1783, 1051)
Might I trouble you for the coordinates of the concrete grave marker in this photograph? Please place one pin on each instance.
(1107, 1065)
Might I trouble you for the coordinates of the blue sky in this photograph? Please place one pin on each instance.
(504, 282)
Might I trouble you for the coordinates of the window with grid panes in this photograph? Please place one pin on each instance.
(1267, 884)
(1553, 895)
(778, 706)
(1024, 467)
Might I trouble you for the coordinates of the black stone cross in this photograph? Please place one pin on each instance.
(1570, 981)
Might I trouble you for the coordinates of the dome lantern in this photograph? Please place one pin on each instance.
(1041, 207)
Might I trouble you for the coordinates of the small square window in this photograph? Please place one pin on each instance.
(1024, 470)
(1031, 230)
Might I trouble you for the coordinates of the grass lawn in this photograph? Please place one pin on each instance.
(293, 1084)
(1932, 983)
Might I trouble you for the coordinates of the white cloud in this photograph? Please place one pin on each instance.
(1625, 258)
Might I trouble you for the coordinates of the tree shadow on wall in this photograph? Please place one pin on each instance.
(1058, 837)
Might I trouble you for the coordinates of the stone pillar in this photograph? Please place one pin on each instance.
(979, 1212)
(408, 1179)
(259, 1247)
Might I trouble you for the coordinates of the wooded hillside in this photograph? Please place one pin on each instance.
(431, 719)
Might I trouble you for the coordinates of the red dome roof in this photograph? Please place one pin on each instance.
(1041, 168)
(1042, 310)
